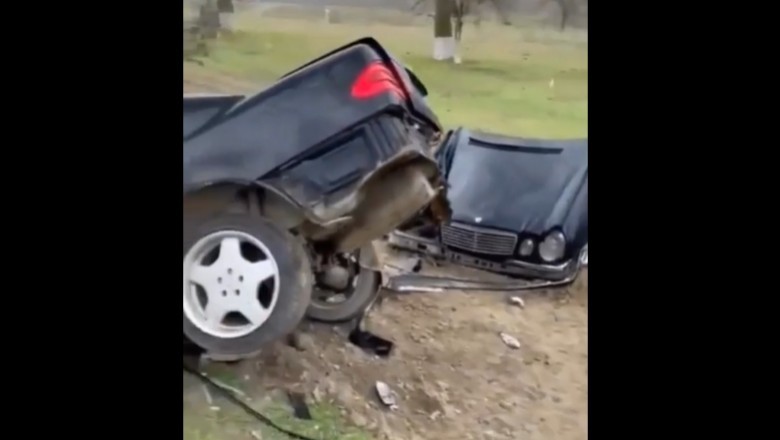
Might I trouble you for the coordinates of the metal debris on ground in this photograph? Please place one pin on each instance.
(510, 340)
(367, 341)
(518, 301)
(371, 343)
(386, 395)
(402, 264)
(299, 406)
(418, 282)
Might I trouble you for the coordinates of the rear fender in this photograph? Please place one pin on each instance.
(214, 198)
(256, 197)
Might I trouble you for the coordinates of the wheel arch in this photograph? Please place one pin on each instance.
(241, 195)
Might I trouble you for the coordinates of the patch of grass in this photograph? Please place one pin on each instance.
(326, 423)
(229, 422)
(504, 84)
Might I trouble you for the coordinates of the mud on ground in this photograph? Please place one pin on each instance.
(454, 376)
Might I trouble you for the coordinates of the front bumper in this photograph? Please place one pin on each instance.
(564, 272)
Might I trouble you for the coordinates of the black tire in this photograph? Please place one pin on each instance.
(365, 291)
(295, 287)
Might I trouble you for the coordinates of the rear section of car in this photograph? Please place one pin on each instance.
(378, 70)
(345, 138)
(373, 163)
(284, 189)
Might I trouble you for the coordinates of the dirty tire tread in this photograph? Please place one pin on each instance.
(294, 297)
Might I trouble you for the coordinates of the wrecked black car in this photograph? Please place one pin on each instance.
(519, 206)
(284, 187)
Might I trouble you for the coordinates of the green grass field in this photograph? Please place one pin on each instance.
(512, 81)
(503, 85)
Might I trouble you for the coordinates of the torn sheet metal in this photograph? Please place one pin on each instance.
(404, 271)
(415, 282)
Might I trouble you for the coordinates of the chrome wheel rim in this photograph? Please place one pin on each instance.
(231, 284)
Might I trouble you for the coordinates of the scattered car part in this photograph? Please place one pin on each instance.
(416, 282)
(509, 340)
(370, 343)
(333, 155)
(386, 395)
(400, 275)
(364, 339)
(518, 301)
(299, 406)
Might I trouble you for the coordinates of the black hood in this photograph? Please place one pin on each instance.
(528, 186)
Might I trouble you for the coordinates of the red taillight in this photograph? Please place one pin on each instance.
(375, 80)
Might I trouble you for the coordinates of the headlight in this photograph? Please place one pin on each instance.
(552, 247)
(526, 247)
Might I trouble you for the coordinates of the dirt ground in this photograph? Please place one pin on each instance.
(454, 376)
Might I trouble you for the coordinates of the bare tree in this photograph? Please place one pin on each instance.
(564, 5)
(449, 18)
(444, 45)
(226, 12)
(501, 7)
(194, 44)
(208, 19)
(459, 11)
(568, 9)
(448, 21)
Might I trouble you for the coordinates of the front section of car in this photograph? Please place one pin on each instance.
(548, 257)
(519, 206)
(528, 214)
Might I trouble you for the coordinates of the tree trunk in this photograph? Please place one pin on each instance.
(226, 14)
(208, 20)
(564, 13)
(443, 41)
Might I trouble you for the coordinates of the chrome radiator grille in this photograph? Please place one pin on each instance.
(483, 241)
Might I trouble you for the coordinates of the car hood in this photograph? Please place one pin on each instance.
(522, 185)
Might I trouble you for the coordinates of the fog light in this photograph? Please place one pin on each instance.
(526, 247)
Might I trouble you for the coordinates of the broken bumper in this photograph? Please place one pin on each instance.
(564, 272)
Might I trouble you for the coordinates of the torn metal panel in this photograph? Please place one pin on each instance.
(415, 282)
(401, 272)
